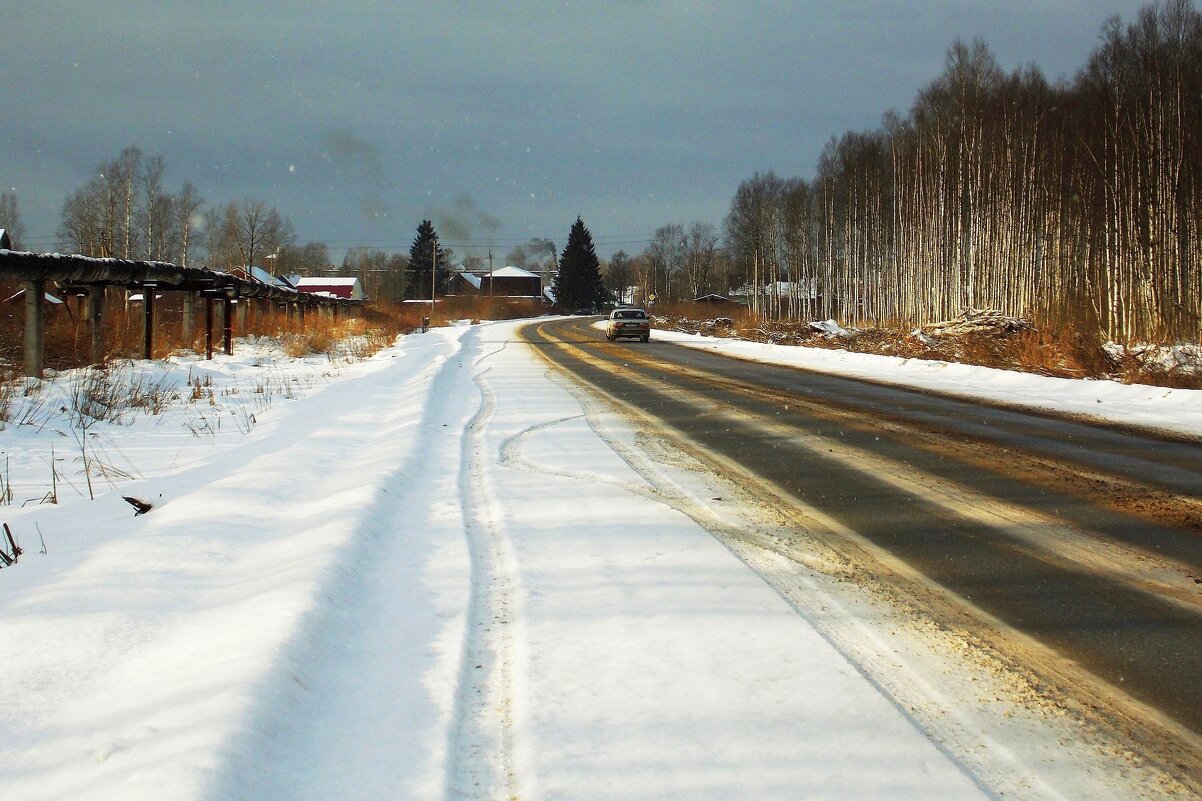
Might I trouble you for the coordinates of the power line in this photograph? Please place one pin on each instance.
(613, 239)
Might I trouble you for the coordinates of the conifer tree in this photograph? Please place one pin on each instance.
(422, 263)
(579, 285)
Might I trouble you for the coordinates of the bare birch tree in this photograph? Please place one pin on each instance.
(10, 219)
(1078, 204)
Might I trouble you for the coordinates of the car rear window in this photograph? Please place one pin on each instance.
(633, 314)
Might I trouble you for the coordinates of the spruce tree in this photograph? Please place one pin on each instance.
(422, 262)
(578, 284)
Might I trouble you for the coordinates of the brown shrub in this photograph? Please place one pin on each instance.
(483, 307)
(1069, 351)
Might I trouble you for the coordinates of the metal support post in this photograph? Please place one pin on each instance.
(148, 321)
(189, 317)
(209, 327)
(228, 321)
(95, 312)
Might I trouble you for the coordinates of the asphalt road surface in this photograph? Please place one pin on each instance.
(1083, 540)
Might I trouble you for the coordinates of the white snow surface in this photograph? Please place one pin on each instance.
(1178, 411)
(401, 586)
(425, 575)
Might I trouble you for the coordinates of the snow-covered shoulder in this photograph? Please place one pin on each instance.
(146, 654)
(1177, 411)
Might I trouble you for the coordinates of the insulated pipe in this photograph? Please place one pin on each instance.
(57, 267)
(74, 269)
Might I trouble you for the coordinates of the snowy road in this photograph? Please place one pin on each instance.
(1072, 547)
(604, 648)
(449, 573)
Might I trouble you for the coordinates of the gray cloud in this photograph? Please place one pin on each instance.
(462, 220)
(357, 162)
(536, 251)
(350, 153)
(631, 116)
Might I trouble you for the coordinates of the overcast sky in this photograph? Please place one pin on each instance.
(501, 121)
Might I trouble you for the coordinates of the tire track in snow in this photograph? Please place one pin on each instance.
(483, 750)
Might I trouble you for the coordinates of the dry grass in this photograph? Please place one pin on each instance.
(8, 393)
(68, 337)
(481, 308)
(1066, 352)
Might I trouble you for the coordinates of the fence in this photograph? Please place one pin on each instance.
(88, 278)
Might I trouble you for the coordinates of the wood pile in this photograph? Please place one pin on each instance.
(977, 321)
(714, 327)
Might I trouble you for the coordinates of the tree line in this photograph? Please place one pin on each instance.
(10, 219)
(680, 263)
(1073, 204)
(1076, 203)
(124, 211)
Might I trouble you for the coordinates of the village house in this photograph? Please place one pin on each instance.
(463, 283)
(338, 287)
(513, 282)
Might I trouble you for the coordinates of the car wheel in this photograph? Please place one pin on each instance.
(647, 338)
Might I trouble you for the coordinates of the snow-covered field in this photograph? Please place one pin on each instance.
(444, 573)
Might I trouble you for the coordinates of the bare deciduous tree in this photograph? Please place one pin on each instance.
(124, 211)
(186, 208)
(665, 258)
(700, 247)
(10, 219)
(1071, 204)
(619, 275)
(254, 229)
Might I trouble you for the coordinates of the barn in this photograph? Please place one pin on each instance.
(350, 288)
(464, 283)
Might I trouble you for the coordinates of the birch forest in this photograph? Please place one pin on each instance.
(1073, 204)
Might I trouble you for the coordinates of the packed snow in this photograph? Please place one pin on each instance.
(432, 574)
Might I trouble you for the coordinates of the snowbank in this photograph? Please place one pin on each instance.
(151, 647)
(1177, 411)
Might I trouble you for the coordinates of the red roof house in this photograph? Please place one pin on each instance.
(350, 288)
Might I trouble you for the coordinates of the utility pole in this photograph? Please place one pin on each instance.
(490, 271)
(433, 273)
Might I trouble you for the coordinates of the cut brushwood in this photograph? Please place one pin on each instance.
(977, 321)
(13, 553)
(140, 506)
